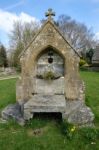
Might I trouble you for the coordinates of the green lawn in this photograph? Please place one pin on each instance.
(50, 136)
(92, 92)
(7, 92)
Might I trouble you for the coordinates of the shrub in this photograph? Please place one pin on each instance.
(82, 62)
(48, 75)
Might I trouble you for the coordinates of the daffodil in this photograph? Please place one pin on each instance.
(73, 129)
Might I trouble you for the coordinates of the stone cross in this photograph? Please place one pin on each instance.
(49, 14)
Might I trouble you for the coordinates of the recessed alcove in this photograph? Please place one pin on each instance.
(49, 75)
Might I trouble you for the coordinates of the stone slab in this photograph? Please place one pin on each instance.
(47, 87)
(46, 103)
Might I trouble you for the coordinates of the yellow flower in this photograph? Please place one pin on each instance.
(73, 129)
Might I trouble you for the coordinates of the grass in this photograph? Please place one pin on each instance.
(92, 92)
(7, 92)
(50, 137)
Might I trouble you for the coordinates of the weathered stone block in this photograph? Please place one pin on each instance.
(44, 103)
(81, 116)
(13, 111)
(49, 86)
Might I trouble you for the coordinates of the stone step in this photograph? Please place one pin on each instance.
(44, 103)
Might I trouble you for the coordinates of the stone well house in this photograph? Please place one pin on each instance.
(50, 80)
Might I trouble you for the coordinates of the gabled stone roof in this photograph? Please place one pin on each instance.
(41, 29)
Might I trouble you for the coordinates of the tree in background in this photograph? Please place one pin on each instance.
(80, 37)
(89, 55)
(20, 37)
(3, 56)
(77, 33)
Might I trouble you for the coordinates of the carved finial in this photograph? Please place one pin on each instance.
(49, 14)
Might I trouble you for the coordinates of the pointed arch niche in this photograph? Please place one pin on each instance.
(49, 72)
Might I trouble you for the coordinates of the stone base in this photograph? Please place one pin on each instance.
(44, 103)
(78, 113)
(75, 112)
(13, 111)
